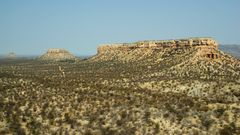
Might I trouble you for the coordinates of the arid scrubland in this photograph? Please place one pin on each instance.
(139, 91)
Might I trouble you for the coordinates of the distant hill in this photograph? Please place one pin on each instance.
(56, 54)
(231, 49)
(155, 87)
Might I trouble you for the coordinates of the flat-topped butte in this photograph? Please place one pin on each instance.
(207, 46)
(56, 54)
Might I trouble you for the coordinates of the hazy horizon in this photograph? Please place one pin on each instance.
(31, 27)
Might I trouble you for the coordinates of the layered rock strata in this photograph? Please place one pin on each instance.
(207, 47)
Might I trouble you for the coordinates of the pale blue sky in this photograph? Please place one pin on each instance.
(30, 27)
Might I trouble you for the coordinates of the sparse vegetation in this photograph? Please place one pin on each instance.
(178, 94)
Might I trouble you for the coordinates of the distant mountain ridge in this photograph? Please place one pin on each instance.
(233, 50)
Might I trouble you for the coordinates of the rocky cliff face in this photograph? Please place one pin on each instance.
(198, 47)
(207, 47)
(125, 89)
(57, 54)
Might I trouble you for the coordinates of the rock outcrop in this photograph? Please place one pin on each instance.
(57, 55)
(207, 47)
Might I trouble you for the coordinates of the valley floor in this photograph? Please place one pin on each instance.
(120, 98)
